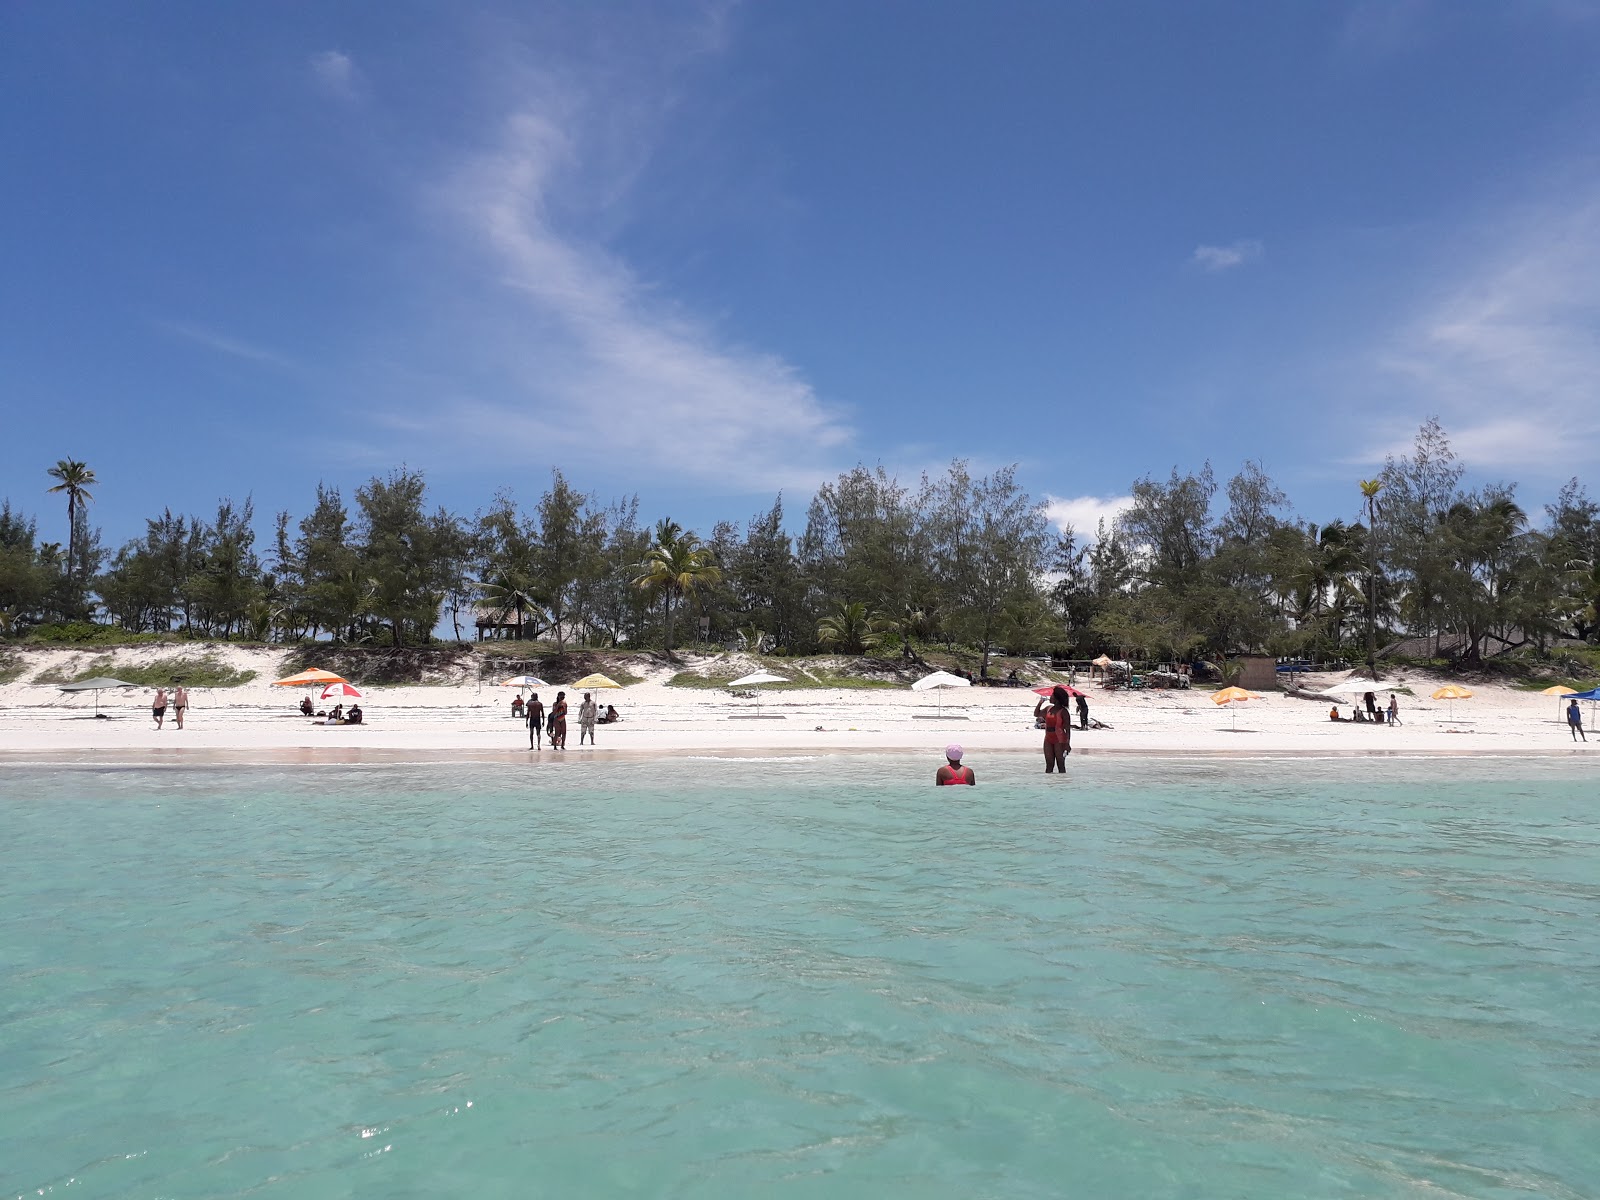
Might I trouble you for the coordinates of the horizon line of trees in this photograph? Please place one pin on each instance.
(879, 565)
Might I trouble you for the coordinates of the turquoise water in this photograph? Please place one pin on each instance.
(807, 978)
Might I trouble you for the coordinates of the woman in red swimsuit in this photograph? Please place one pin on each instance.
(1057, 729)
(953, 772)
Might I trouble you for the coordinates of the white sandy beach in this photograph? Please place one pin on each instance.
(37, 720)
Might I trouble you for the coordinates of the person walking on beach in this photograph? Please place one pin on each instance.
(587, 712)
(1057, 729)
(158, 706)
(558, 722)
(1575, 722)
(180, 701)
(535, 722)
(1083, 711)
(1394, 710)
(953, 773)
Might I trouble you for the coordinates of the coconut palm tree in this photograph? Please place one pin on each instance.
(676, 566)
(75, 479)
(1369, 494)
(851, 628)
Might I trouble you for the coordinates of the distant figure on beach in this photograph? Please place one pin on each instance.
(1371, 701)
(180, 701)
(1394, 710)
(588, 711)
(1083, 711)
(953, 772)
(535, 722)
(1333, 714)
(353, 717)
(1057, 729)
(558, 722)
(337, 715)
(611, 717)
(158, 707)
(516, 705)
(1575, 722)
(307, 709)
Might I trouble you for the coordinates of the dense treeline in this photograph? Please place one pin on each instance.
(878, 565)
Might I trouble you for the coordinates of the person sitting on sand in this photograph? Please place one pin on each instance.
(611, 717)
(516, 706)
(353, 717)
(1333, 714)
(337, 715)
(953, 772)
(307, 709)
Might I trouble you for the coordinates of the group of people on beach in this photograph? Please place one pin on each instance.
(180, 703)
(554, 722)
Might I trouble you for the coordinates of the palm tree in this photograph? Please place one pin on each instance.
(1369, 493)
(676, 566)
(851, 627)
(75, 479)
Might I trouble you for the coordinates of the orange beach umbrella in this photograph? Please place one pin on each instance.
(1233, 695)
(1452, 692)
(308, 678)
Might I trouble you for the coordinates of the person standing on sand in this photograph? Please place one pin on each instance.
(1394, 710)
(953, 772)
(587, 712)
(1083, 711)
(158, 706)
(535, 722)
(180, 701)
(1575, 721)
(1371, 701)
(558, 722)
(1057, 729)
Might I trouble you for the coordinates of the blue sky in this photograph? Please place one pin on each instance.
(704, 252)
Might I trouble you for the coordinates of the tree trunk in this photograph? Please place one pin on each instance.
(668, 597)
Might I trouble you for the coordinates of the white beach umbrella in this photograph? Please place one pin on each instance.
(937, 682)
(523, 681)
(756, 679)
(1357, 687)
(97, 685)
(341, 691)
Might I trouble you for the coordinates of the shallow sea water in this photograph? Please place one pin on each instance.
(802, 977)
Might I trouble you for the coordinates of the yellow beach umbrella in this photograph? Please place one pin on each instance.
(1452, 692)
(307, 678)
(590, 683)
(1233, 695)
(1559, 690)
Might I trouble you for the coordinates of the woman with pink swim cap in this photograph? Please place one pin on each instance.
(953, 772)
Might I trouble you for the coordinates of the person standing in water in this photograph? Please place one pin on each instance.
(180, 701)
(535, 717)
(1575, 721)
(158, 707)
(1057, 729)
(953, 772)
(587, 712)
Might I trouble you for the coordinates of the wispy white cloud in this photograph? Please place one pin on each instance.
(222, 343)
(335, 73)
(587, 360)
(1224, 258)
(1505, 350)
(1083, 514)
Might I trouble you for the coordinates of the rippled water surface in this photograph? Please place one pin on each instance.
(802, 978)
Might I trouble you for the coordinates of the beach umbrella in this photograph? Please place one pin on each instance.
(937, 682)
(1103, 661)
(595, 682)
(756, 679)
(310, 678)
(1230, 696)
(1049, 690)
(1452, 692)
(523, 681)
(341, 691)
(1563, 692)
(1357, 687)
(96, 685)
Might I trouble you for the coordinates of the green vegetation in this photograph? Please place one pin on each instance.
(66, 674)
(954, 567)
(12, 666)
(203, 672)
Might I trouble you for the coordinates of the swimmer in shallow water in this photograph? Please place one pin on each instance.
(953, 772)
